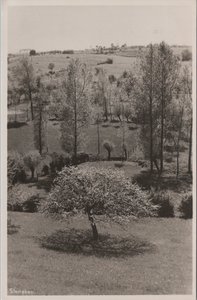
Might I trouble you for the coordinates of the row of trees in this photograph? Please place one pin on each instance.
(165, 102)
(158, 95)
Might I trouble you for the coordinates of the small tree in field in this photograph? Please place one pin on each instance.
(127, 112)
(83, 190)
(25, 78)
(109, 147)
(118, 111)
(32, 160)
(51, 67)
(186, 55)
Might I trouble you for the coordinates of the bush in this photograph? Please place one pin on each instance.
(108, 61)
(109, 147)
(32, 52)
(186, 55)
(77, 189)
(166, 209)
(59, 160)
(31, 204)
(21, 199)
(185, 207)
(32, 160)
(119, 164)
(45, 170)
(143, 163)
(15, 168)
(81, 158)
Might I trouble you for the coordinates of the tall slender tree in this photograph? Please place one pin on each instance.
(167, 76)
(75, 112)
(146, 100)
(40, 118)
(25, 77)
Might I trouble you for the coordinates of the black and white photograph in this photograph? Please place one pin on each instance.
(99, 169)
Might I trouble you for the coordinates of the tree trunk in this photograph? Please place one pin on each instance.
(40, 131)
(178, 141)
(156, 165)
(125, 153)
(150, 112)
(98, 138)
(162, 130)
(190, 149)
(32, 172)
(109, 155)
(75, 129)
(15, 115)
(93, 225)
(31, 103)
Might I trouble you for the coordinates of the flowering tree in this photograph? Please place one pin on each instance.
(87, 189)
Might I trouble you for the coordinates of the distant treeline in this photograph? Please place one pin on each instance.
(55, 52)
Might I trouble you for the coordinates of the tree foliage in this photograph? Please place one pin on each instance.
(158, 74)
(75, 109)
(84, 190)
(26, 81)
(15, 168)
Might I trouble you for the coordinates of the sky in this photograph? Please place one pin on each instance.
(81, 27)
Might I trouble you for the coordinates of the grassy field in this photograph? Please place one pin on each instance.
(21, 139)
(154, 257)
(120, 63)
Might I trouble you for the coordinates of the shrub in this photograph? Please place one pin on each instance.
(109, 147)
(133, 127)
(31, 204)
(166, 209)
(21, 199)
(32, 160)
(186, 55)
(143, 163)
(185, 207)
(59, 160)
(119, 164)
(81, 158)
(15, 168)
(45, 170)
(12, 228)
(51, 66)
(107, 61)
(169, 159)
(32, 52)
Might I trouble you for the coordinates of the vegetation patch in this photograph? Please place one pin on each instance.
(186, 206)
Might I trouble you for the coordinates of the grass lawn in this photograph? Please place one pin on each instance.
(157, 260)
(21, 138)
(120, 63)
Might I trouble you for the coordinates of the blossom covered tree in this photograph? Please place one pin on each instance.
(85, 190)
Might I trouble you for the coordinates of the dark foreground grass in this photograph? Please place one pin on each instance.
(147, 256)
